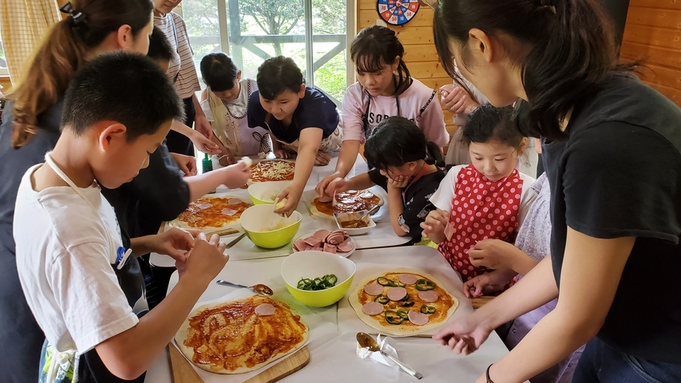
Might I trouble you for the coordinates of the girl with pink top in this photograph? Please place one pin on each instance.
(384, 89)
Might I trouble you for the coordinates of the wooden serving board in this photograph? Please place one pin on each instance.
(183, 372)
(286, 367)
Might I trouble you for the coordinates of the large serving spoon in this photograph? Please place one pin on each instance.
(367, 341)
(257, 288)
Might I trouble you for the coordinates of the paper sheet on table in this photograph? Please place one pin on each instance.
(349, 323)
(321, 331)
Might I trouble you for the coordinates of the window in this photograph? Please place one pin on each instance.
(3, 60)
(312, 32)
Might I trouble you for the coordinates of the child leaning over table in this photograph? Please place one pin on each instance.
(487, 199)
(83, 287)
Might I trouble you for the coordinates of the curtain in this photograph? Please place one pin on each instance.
(23, 23)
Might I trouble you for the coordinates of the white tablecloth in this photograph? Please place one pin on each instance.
(334, 359)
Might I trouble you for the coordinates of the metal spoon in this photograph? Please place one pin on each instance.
(257, 288)
(366, 341)
(373, 211)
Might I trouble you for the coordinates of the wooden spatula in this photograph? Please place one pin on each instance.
(284, 368)
(183, 372)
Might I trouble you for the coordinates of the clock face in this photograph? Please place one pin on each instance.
(397, 12)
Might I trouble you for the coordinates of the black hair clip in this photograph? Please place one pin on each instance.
(78, 17)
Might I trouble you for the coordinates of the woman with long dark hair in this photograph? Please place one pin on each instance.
(612, 152)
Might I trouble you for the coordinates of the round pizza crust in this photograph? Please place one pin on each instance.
(314, 211)
(184, 225)
(183, 333)
(398, 330)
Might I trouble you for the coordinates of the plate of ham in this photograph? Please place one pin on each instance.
(328, 241)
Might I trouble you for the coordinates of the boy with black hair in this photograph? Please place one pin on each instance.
(160, 49)
(81, 283)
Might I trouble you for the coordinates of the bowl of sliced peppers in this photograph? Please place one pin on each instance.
(317, 279)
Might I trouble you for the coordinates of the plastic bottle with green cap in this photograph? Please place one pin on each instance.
(206, 164)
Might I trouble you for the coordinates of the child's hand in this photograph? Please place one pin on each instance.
(434, 225)
(237, 175)
(292, 195)
(186, 163)
(204, 144)
(465, 335)
(281, 153)
(322, 159)
(399, 183)
(202, 126)
(490, 283)
(205, 260)
(338, 185)
(175, 242)
(493, 254)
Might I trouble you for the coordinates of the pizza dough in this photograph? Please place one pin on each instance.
(371, 301)
(349, 201)
(272, 170)
(241, 335)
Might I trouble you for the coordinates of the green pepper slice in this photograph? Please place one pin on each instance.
(428, 309)
(407, 304)
(404, 314)
(424, 285)
(385, 282)
(382, 299)
(392, 317)
(331, 279)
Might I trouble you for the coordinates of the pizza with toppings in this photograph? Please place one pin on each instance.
(272, 170)
(402, 302)
(211, 212)
(241, 335)
(345, 202)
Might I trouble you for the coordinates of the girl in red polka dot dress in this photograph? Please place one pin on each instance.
(488, 198)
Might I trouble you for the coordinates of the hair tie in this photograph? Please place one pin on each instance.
(77, 17)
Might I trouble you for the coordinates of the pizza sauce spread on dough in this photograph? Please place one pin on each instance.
(233, 335)
(349, 201)
(273, 170)
(213, 212)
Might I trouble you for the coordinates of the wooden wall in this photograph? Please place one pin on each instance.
(653, 34)
(417, 38)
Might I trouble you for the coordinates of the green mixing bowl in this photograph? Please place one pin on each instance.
(267, 229)
(313, 264)
(262, 193)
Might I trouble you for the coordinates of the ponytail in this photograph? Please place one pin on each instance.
(45, 79)
(435, 156)
(573, 51)
(62, 52)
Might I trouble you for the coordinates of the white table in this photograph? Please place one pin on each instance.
(334, 359)
(381, 236)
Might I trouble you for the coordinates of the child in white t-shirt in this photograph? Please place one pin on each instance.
(384, 88)
(225, 104)
(83, 286)
(487, 199)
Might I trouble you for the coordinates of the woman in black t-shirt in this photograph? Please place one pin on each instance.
(612, 152)
(399, 151)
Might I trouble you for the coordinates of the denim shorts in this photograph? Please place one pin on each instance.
(603, 364)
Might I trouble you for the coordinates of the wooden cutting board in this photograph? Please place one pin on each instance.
(282, 369)
(183, 372)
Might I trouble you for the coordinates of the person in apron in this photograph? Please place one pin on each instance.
(74, 262)
(300, 119)
(384, 88)
(225, 103)
(487, 199)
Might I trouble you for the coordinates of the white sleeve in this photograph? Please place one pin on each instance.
(353, 126)
(443, 196)
(85, 288)
(527, 197)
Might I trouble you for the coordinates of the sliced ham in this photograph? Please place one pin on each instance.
(325, 199)
(229, 212)
(373, 289)
(408, 279)
(265, 309)
(312, 240)
(300, 245)
(328, 248)
(397, 293)
(429, 296)
(234, 201)
(317, 248)
(346, 246)
(321, 234)
(203, 205)
(417, 318)
(335, 237)
(373, 308)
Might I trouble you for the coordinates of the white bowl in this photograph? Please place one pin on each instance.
(340, 217)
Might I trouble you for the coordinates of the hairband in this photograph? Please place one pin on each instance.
(77, 17)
